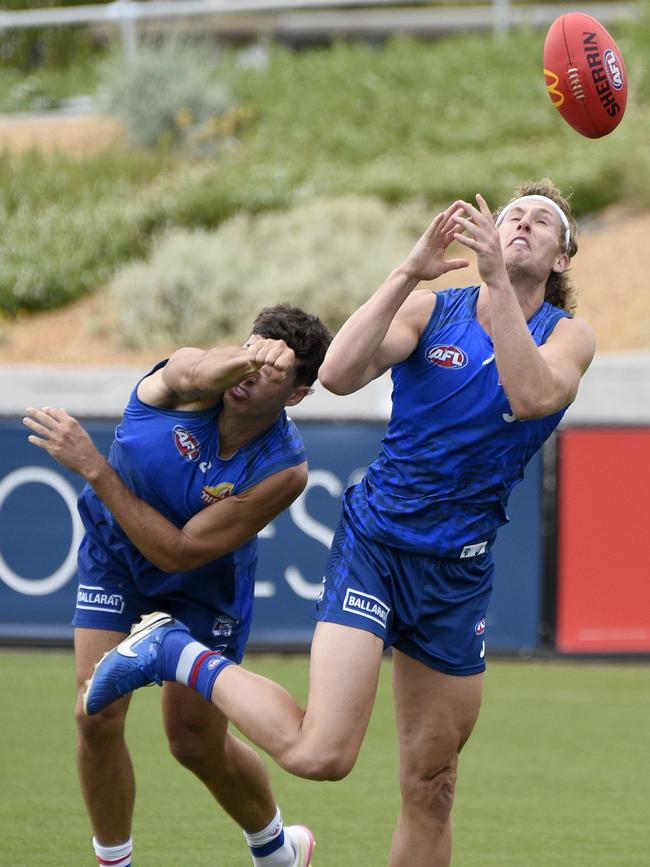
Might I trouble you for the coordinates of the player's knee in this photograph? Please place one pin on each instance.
(187, 746)
(322, 763)
(430, 790)
(185, 752)
(337, 767)
(100, 729)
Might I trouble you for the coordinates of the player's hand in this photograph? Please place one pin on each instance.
(274, 355)
(62, 437)
(426, 261)
(476, 230)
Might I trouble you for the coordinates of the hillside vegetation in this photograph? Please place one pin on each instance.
(405, 124)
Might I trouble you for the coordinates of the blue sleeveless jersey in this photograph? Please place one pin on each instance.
(170, 459)
(453, 451)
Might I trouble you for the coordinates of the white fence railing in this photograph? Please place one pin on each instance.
(315, 18)
(615, 390)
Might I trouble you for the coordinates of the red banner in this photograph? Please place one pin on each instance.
(604, 528)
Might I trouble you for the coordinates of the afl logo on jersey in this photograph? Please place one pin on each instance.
(447, 355)
(479, 629)
(186, 443)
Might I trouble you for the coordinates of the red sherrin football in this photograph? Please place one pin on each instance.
(585, 74)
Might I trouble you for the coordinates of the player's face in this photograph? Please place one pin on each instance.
(261, 394)
(531, 238)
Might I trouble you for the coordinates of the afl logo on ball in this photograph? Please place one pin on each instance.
(447, 355)
(186, 443)
(613, 69)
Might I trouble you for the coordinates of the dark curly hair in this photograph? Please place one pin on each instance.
(560, 289)
(306, 334)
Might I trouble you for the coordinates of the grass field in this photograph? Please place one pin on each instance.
(555, 776)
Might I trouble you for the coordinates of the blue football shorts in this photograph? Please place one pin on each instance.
(430, 609)
(108, 597)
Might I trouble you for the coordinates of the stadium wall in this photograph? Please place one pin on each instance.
(577, 568)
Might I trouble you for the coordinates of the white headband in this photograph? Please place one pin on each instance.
(554, 205)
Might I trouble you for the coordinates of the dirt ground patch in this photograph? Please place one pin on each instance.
(610, 269)
(75, 134)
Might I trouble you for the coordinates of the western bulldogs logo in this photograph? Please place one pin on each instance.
(223, 626)
(479, 629)
(186, 443)
(213, 493)
(447, 355)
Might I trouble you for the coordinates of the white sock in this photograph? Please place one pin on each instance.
(113, 856)
(269, 847)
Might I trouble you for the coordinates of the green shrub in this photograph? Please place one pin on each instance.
(65, 226)
(201, 287)
(43, 89)
(168, 95)
(64, 255)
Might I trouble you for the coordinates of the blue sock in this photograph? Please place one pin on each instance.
(191, 663)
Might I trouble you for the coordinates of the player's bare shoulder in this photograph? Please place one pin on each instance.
(573, 337)
(575, 328)
(406, 329)
(417, 309)
(165, 388)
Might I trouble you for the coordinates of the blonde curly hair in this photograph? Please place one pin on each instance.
(560, 289)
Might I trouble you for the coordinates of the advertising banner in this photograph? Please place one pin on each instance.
(40, 531)
(604, 578)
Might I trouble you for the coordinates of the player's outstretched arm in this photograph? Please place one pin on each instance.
(212, 533)
(385, 330)
(199, 377)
